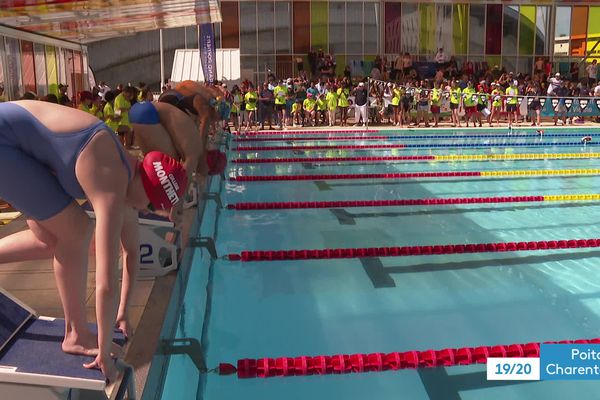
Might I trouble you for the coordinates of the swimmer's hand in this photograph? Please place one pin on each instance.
(176, 214)
(124, 325)
(106, 364)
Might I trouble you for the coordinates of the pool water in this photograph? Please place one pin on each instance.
(345, 306)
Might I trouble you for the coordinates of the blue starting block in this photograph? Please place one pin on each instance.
(33, 365)
(160, 244)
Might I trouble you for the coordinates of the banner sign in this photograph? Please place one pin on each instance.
(208, 53)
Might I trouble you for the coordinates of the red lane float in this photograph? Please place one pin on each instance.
(380, 203)
(308, 131)
(329, 177)
(330, 159)
(345, 147)
(406, 251)
(272, 139)
(377, 362)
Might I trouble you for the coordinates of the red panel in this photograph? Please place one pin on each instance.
(28, 66)
(301, 21)
(393, 27)
(230, 27)
(493, 30)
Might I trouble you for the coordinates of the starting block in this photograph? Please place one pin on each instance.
(33, 365)
(160, 244)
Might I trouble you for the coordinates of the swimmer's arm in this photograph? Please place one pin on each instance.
(130, 243)
(188, 144)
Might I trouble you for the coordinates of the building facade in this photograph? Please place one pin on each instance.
(278, 34)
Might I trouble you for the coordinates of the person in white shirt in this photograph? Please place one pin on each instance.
(554, 83)
(597, 90)
(592, 72)
(440, 57)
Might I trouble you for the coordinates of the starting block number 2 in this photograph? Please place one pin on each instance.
(146, 252)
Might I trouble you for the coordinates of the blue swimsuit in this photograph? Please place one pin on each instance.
(37, 166)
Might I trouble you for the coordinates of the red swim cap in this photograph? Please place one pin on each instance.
(216, 161)
(164, 179)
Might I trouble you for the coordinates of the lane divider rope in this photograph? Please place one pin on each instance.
(457, 157)
(410, 146)
(307, 132)
(405, 137)
(378, 362)
(409, 202)
(410, 175)
(406, 251)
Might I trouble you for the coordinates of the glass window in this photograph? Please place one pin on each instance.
(525, 65)
(68, 70)
(354, 28)
(28, 66)
(337, 27)
(230, 27)
(541, 30)
(40, 69)
(579, 22)
(248, 67)
(77, 72)
(563, 31)
(318, 25)
(509, 63)
(427, 23)
(283, 33)
(248, 27)
(284, 67)
(392, 27)
(493, 31)
(266, 63)
(594, 33)
(460, 28)
(301, 22)
(443, 29)
(372, 23)
(2, 82)
(476, 28)
(527, 29)
(510, 29)
(266, 27)
(13, 69)
(410, 28)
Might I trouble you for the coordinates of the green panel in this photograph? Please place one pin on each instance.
(493, 60)
(427, 43)
(340, 62)
(319, 19)
(527, 30)
(594, 33)
(460, 28)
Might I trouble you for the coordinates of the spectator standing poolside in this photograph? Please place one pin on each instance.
(592, 72)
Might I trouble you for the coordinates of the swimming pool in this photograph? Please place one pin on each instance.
(345, 306)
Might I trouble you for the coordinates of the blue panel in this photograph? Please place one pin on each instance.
(12, 317)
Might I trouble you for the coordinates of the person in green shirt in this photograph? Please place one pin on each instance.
(121, 106)
(343, 93)
(309, 106)
(297, 119)
(469, 96)
(332, 102)
(85, 101)
(511, 102)
(455, 101)
(396, 95)
(251, 100)
(110, 118)
(436, 101)
(496, 103)
(281, 93)
(321, 113)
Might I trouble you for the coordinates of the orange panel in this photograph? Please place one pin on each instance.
(579, 23)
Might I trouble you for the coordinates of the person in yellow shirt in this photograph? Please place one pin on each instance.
(111, 120)
(396, 94)
(455, 102)
(343, 93)
(469, 96)
(332, 103)
(297, 113)
(321, 113)
(85, 102)
(511, 102)
(281, 93)
(496, 103)
(251, 100)
(436, 101)
(309, 106)
(121, 106)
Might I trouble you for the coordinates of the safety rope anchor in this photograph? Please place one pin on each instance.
(207, 242)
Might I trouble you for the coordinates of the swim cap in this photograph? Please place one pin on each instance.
(216, 161)
(164, 180)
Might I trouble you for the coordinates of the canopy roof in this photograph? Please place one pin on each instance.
(86, 21)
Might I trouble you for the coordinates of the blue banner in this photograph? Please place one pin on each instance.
(570, 106)
(208, 53)
(570, 362)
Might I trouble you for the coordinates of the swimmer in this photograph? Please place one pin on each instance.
(586, 139)
(51, 155)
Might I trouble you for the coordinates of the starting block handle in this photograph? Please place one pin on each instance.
(216, 196)
(127, 385)
(206, 242)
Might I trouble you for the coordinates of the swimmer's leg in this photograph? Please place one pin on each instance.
(32, 244)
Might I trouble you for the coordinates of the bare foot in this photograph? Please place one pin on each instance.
(86, 344)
